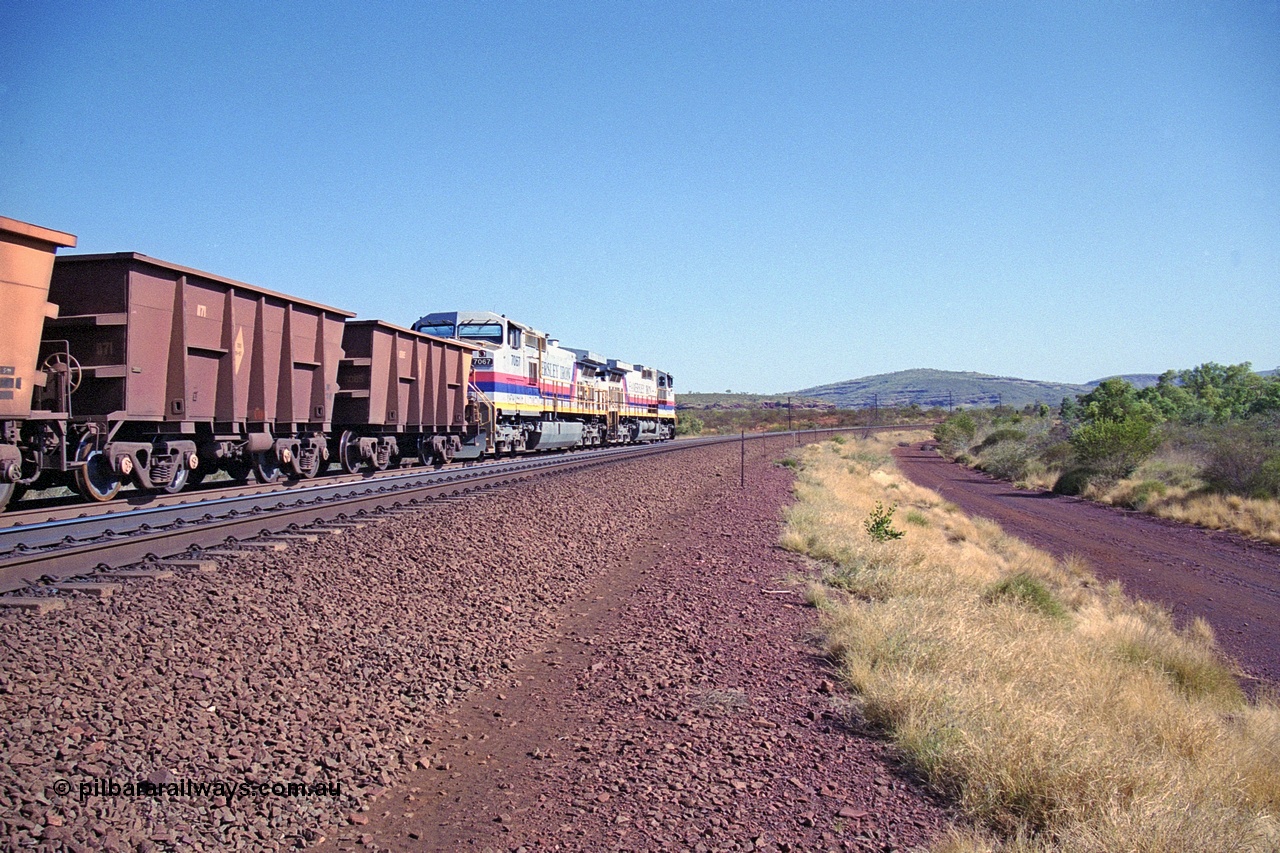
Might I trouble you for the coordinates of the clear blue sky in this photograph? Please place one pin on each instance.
(760, 196)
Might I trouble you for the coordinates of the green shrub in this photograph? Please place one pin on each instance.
(998, 436)
(1143, 493)
(955, 433)
(687, 424)
(1115, 448)
(879, 524)
(1059, 454)
(1244, 459)
(1073, 482)
(1266, 482)
(1008, 461)
(1029, 591)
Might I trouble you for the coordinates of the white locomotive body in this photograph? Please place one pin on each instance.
(535, 394)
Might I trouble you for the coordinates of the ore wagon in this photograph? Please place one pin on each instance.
(26, 262)
(401, 393)
(182, 372)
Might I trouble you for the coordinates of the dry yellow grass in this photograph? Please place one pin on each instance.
(1253, 517)
(1060, 714)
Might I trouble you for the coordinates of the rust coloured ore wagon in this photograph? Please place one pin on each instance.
(26, 261)
(402, 393)
(181, 372)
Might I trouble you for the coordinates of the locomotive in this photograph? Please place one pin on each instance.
(121, 368)
(539, 395)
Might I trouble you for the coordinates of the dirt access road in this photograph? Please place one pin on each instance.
(1231, 581)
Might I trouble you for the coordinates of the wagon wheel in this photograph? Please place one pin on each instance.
(238, 470)
(7, 492)
(265, 468)
(197, 476)
(426, 455)
(95, 480)
(178, 482)
(64, 362)
(349, 452)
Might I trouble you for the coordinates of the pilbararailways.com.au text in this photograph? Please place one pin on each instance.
(229, 789)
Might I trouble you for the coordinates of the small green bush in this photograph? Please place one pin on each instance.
(879, 524)
(1244, 460)
(998, 436)
(688, 425)
(1073, 482)
(1059, 454)
(1030, 591)
(955, 433)
(1008, 461)
(1266, 482)
(1144, 492)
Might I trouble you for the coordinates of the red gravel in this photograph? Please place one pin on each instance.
(624, 620)
(1231, 581)
(682, 705)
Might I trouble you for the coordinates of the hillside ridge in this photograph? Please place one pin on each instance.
(928, 388)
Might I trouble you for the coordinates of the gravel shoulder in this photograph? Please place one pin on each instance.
(661, 693)
(1229, 580)
(682, 705)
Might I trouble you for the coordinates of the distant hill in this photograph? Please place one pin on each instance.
(929, 388)
(730, 400)
(1137, 380)
(922, 387)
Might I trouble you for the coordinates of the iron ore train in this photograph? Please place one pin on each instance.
(121, 368)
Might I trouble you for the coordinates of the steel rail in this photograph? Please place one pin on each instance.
(69, 547)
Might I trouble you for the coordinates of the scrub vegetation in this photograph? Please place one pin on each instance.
(1201, 446)
(1059, 714)
(773, 418)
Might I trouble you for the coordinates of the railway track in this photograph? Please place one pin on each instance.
(44, 546)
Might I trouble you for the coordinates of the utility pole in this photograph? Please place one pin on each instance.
(788, 414)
